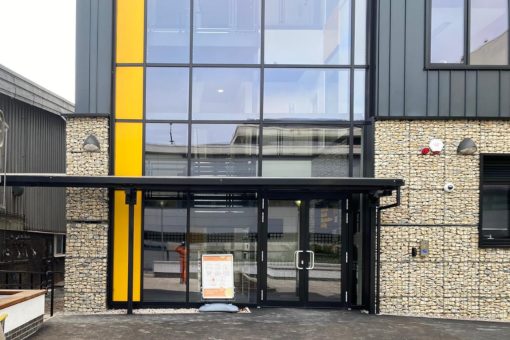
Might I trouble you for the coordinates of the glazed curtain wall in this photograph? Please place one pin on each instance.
(234, 88)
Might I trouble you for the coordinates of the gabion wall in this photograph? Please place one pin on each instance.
(458, 279)
(87, 219)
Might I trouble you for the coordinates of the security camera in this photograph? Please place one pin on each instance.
(449, 187)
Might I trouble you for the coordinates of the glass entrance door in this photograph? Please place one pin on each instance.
(303, 253)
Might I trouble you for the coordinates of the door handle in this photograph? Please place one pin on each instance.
(296, 259)
(312, 260)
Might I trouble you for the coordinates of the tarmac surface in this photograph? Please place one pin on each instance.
(268, 323)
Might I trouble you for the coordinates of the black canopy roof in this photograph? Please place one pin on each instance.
(196, 184)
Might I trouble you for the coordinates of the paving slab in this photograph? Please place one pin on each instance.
(267, 323)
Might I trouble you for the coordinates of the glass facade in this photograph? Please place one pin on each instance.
(221, 76)
(245, 88)
(469, 32)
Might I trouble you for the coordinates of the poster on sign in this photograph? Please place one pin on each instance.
(218, 276)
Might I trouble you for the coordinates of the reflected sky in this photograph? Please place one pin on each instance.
(307, 31)
(226, 31)
(166, 134)
(226, 93)
(167, 93)
(447, 31)
(359, 94)
(306, 94)
(168, 31)
(488, 41)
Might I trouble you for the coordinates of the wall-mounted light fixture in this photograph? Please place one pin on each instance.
(17, 191)
(91, 144)
(467, 147)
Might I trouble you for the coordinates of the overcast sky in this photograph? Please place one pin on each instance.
(37, 40)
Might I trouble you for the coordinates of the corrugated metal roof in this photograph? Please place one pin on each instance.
(20, 88)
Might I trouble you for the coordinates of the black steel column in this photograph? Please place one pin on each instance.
(131, 200)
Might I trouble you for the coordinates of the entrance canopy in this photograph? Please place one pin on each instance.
(201, 184)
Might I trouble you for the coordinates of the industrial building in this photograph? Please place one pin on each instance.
(32, 220)
(342, 154)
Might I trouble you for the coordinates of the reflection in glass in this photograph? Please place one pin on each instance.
(314, 94)
(226, 93)
(296, 151)
(325, 225)
(224, 150)
(226, 31)
(164, 231)
(166, 149)
(360, 32)
(167, 93)
(225, 224)
(168, 26)
(357, 151)
(359, 94)
(447, 32)
(489, 32)
(307, 32)
(282, 244)
(356, 255)
(496, 211)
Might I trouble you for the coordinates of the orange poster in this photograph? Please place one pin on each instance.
(218, 276)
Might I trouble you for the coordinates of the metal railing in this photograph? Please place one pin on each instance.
(13, 279)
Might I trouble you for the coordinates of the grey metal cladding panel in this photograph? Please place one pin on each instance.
(471, 80)
(36, 143)
(458, 93)
(94, 56)
(432, 93)
(504, 94)
(415, 79)
(83, 22)
(94, 35)
(105, 56)
(383, 68)
(45, 209)
(444, 93)
(397, 57)
(488, 94)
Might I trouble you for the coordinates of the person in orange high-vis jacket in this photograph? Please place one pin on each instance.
(183, 253)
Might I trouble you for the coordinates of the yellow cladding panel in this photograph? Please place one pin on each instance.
(120, 247)
(128, 162)
(129, 93)
(128, 149)
(130, 31)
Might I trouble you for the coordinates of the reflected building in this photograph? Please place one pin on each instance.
(244, 106)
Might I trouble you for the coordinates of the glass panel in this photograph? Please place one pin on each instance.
(282, 244)
(447, 32)
(496, 211)
(294, 151)
(166, 93)
(359, 94)
(312, 94)
(168, 31)
(224, 150)
(166, 149)
(360, 32)
(324, 281)
(226, 93)
(226, 31)
(225, 224)
(489, 32)
(356, 256)
(164, 251)
(357, 151)
(307, 32)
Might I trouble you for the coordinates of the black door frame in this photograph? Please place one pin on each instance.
(304, 242)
